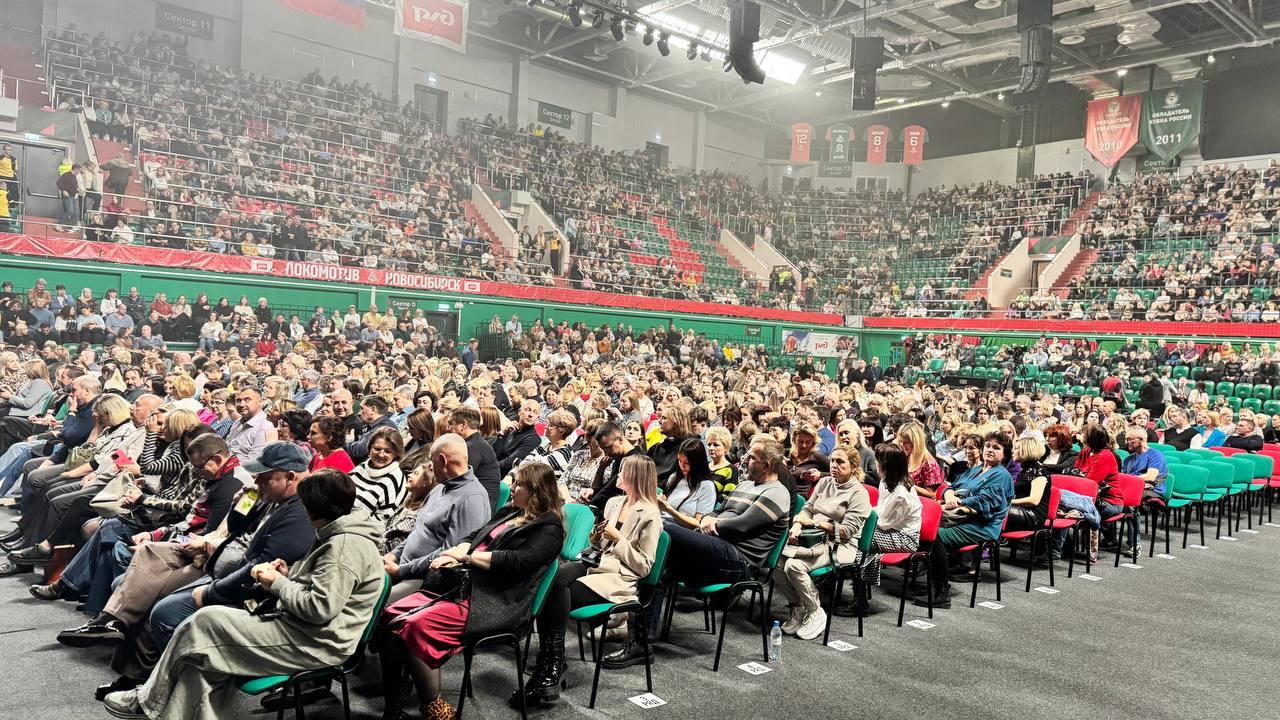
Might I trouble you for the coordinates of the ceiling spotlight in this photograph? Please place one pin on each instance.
(597, 20)
(575, 14)
(692, 52)
(999, 96)
(615, 28)
(706, 54)
(664, 49)
(1211, 58)
(727, 65)
(988, 4)
(535, 3)
(648, 37)
(631, 25)
(901, 100)
(817, 93)
(1122, 72)
(1072, 39)
(946, 104)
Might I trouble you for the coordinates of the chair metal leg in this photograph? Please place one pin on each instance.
(524, 701)
(715, 667)
(297, 702)
(1072, 541)
(861, 598)
(598, 649)
(346, 697)
(995, 554)
(908, 574)
(582, 652)
(1031, 560)
(835, 595)
(928, 588)
(285, 696)
(467, 655)
(977, 574)
(1048, 538)
(642, 631)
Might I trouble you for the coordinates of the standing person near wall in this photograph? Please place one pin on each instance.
(9, 181)
(69, 192)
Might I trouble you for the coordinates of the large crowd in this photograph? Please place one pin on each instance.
(255, 497)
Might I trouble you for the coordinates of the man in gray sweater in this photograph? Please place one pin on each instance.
(456, 507)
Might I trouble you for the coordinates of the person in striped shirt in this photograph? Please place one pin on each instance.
(379, 480)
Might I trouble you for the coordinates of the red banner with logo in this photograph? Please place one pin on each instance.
(71, 249)
(1111, 127)
(443, 22)
(348, 12)
(913, 140)
(801, 141)
(877, 144)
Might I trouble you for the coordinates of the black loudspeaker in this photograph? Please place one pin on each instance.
(1032, 13)
(744, 32)
(868, 57)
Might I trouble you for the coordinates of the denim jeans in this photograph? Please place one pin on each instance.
(71, 210)
(1134, 529)
(172, 610)
(11, 464)
(91, 571)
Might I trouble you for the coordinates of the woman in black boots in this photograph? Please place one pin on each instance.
(628, 539)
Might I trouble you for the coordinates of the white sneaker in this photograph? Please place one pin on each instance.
(813, 625)
(793, 621)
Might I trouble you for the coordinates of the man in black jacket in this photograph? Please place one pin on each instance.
(520, 437)
(465, 421)
(276, 526)
(1245, 437)
(616, 448)
(375, 413)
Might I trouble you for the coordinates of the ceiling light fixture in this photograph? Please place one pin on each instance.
(1211, 58)
(999, 96)
(597, 20)
(664, 48)
(946, 104)
(692, 52)
(648, 37)
(901, 100)
(1122, 72)
(575, 14)
(988, 4)
(615, 28)
(1072, 39)
(817, 93)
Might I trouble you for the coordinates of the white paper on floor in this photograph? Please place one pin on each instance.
(1131, 566)
(1047, 590)
(1272, 525)
(991, 605)
(1228, 538)
(754, 668)
(1166, 556)
(1199, 547)
(841, 645)
(648, 701)
(1087, 576)
(1251, 532)
(922, 624)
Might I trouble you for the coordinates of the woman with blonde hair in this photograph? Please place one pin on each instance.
(926, 474)
(806, 462)
(627, 537)
(828, 527)
(674, 427)
(30, 397)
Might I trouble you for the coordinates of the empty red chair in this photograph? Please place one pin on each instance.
(1131, 487)
(930, 519)
(1228, 451)
(1033, 535)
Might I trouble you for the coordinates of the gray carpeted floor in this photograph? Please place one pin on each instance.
(1190, 637)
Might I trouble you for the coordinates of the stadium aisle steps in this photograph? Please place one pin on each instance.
(108, 150)
(1078, 266)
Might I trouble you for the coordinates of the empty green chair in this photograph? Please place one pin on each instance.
(1243, 390)
(1262, 392)
(1225, 388)
(1180, 371)
(1234, 403)
(1184, 488)
(1217, 492)
(1271, 407)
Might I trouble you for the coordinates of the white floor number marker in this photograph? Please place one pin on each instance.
(648, 701)
(1251, 532)
(921, 624)
(990, 605)
(1131, 566)
(1166, 556)
(1047, 590)
(754, 668)
(1087, 576)
(1228, 538)
(1272, 525)
(841, 645)
(1199, 547)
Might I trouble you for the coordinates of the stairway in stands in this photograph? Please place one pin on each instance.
(20, 61)
(495, 246)
(682, 253)
(108, 150)
(1077, 267)
(979, 287)
(1077, 216)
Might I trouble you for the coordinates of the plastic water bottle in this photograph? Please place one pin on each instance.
(775, 643)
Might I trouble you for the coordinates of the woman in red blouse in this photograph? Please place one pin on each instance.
(327, 437)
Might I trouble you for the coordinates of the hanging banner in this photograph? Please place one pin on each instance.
(347, 12)
(549, 114)
(818, 344)
(838, 163)
(1171, 119)
(913, 139)
(801, 141)
(877, 144)
(1111, 127)
(443, 22)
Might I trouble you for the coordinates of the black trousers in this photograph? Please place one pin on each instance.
(566, 594)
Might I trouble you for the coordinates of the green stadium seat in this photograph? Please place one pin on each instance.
(1234, 403)
(1243, 390)
(1253, 404)
(1180, 371)
(1262, 392)
(1225, 388)
(1197, 373)
(1271, 407)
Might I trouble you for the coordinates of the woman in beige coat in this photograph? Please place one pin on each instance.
(828, 527)
(628, 540)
